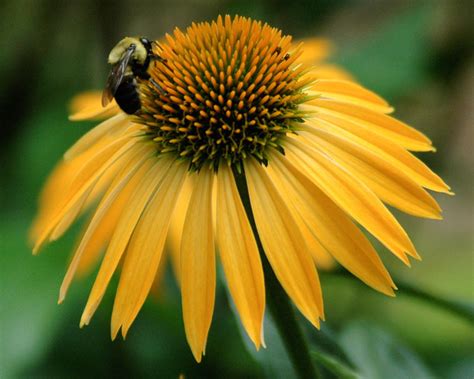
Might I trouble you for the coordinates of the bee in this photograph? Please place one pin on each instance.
(130, 60)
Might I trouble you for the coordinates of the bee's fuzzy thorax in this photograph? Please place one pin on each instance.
(117, 52)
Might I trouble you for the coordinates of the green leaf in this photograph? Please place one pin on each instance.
(377, 354)
(335, 366)
(273, 359)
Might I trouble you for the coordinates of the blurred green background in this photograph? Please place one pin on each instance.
(416, 54)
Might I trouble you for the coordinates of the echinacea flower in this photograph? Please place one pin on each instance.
(320, 158)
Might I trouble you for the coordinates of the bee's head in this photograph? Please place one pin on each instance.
(147, 44)
(142, 49)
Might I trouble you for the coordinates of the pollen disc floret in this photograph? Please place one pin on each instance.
(224, 91)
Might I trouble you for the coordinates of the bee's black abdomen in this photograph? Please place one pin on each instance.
(127, 96)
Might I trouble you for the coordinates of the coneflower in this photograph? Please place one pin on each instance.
(240, 117)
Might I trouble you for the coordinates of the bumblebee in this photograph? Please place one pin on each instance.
(130, 60)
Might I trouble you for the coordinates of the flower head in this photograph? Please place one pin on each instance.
(234, 98)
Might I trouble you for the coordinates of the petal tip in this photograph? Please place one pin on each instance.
(61, 298)
(125, 330)
(85, 320)
(36, 249)
(83, 323)
(197, 355)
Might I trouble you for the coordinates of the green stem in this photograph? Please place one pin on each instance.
(277, 300)
(459, 309)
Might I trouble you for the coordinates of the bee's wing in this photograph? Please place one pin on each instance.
(116, 75)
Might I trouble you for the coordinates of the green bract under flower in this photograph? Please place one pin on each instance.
(229, 90)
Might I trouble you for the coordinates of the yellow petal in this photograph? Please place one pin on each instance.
(334, 229)
(349, 92)
(393, 154)
(94, 248)
(352, 196)
(81, 187)
(314, 50)
(239, 256)
(96, 192)
(156, 290)
(283, 243)
(148, 183)
(145, 249)
(103, 183)
(320, 255)
(106, 216)
(388, 182)
(176, 227)
(55, 191)
(104, 231)
(329, 71)
(370, 122)
(88, 106)
(93, 136)
(198, 266)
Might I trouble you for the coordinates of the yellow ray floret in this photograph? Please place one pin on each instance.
(239, 256)
(198, 270)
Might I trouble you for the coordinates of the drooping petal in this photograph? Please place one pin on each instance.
(334, 229)
(318, 252)
(395, 155)
(330, 71)
(283, 244)
(144, 191)
(352, 196)
(104, 230)
(157, 290)
(102, 224)
(118, 122)
(54, 193)
(363, 120)
(96, 192)
(88, 106)
(315, 49)
(390, 183)
(145, 249)
(176, 227)
(81, 186)
(349, 92)
(239, 256)
(198, 267)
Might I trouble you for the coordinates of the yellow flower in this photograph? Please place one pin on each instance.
(319, 157)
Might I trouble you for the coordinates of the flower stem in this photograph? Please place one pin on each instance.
(464, 311)
(278, 303)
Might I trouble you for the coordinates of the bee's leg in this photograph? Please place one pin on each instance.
(158, 58)
(158, 87)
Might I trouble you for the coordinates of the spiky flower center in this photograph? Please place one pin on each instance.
(224, 91)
